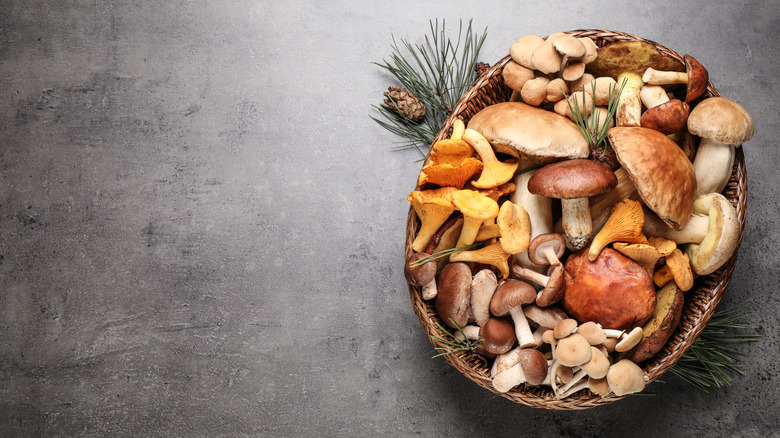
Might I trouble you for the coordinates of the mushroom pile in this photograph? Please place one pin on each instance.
(560, 268)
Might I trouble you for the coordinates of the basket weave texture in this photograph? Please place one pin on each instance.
(700, 302)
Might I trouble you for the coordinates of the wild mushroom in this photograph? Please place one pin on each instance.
(660, 170)
(593, 332)
(531, 369)
(601, 205)
(547, 249)
(625, 377)
(565, 328)
(493, 255)
(613, 290)
(679, 267)
(553, 285)
(534, 92)
(515, 226)
(476, 208)
(495, 172)
(723, 125)
(629, 105)
(629, 340)
(421, 275)
(666, 118)
(624, 225)
(645, 255)
(695, 76)
(573, 350)
(523, 49)
(515, 76)
(497, 336)
(539, 209)
(711, 236)
(573, 181)
(451, 174)
(546, 317)
(452, 301)
(546, 58)
(483, 286)
(509, 299)
(433, 208)
(653, 95)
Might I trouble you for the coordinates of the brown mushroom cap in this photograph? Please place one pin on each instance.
(598, 365)
(534, 366)
(662, 173)
(419, 275)
(721, 120)
(452, 301)
(697, 78)
(631, 56)
(572, 179)
(511, 293)
(498, 336)
(555, 289)
(592, 332)
(522, 130)
(546, 317)
(613, 291)
(546, 242)
(515, 75)
(569, 46)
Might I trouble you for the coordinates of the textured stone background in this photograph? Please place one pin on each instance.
(201, 230)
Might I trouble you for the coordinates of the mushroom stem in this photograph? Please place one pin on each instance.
(530, 275)
(693, 232)
(429, 291)
(582, 384)
(509, 378)
(576, 220)
(712, 166)
(578, 376)
(539, 210)
(657, 77)
(653, 95)
(525, 337)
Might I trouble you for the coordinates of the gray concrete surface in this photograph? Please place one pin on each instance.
(202, 230)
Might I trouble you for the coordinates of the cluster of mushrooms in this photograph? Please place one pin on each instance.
(564, 269)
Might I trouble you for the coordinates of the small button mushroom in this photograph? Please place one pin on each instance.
(483, 286)
(695, 77)
(421, 275)
(573, 350)
(509, 299)
(452, 301)
(592, 332)
(625, 377)
(515, 75)
(498, 336)
(531, 369)
(711, 235)
(547, 249)
(546, 59)
(556, 90)
(723, 125)
(573, 181)
(523, 49)
(564, 328)
(534, 92)
(629, 340)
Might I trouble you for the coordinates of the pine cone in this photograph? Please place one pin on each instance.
(404, 103)
(481, 68)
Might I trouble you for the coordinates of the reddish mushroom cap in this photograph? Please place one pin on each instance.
(697, 78)
(570, 179)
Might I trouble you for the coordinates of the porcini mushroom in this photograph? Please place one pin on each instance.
(421, 275)
(653, 95)
(629, 105)
(695, 77)
(495, 172)
(666, 118)
(476, 208)
(723, 125)
(573, 181)
(452, 301)
(509, 299)
(624, 225)
(711, 236)
(433, 208)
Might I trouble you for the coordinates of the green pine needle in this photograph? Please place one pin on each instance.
(443, 253)
(455, 345)
(438, 73)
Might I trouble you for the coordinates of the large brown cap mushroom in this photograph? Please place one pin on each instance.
(498, 336)
(631, 56)
(511, 293)
(524, 131)
(534, 366)
(721, 120)
(452, 301)
(613, 290)
(660, 170)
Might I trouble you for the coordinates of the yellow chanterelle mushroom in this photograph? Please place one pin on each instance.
(495, 172)
(476, 209)
(624, 225)
(433, 207)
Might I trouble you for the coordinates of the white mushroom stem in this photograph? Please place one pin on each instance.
(509, 378)
(429, 291)
(576, 221)
(553, 377)
(483, 286)
(530, 275)
(653, 95)
(657, 77)
(578, 376)
(505, 361)
(470, 332)
(693, 232)
(539, 210)
(712, 166)
(613, 333)
(629, 106)
(538, 333)
(525, 337)
(582, 384)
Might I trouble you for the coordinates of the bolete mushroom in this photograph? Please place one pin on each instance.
(695, 77)
(531, 369)
(667, 118)
(723, 125)
(539, 209)
(660, 170)
(613, 290)
(710, 237)
(573, 181)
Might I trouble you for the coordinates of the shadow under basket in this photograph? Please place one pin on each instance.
(700, 302)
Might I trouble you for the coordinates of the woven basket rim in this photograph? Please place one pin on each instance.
(700, 302)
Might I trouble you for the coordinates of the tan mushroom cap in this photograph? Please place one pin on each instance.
(515, 75)
(564, 328)
(598, 365)
(592, 332)
(546, 58)
(569, 46)
(534, 92)
(625, 377)
(511, 293)
(591, 50)
(630, 340)
(721, 120)
(573, 350)
(523, 49)
(660, 170)
(722, 235)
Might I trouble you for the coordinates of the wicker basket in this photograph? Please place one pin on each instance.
(700, 302)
